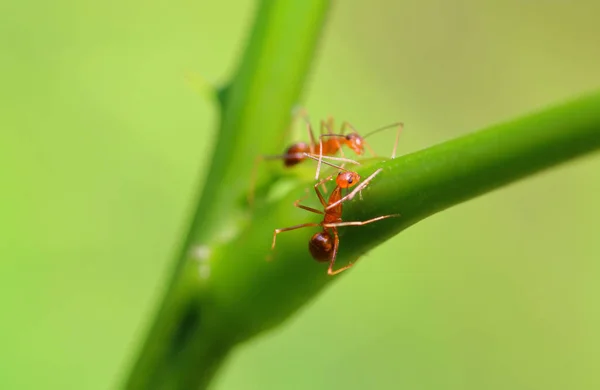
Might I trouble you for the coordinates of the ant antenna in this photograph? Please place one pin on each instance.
(313, 157)
(368, 134)
(321, 157)
(358, 189)
(383, 128)
(400, 126)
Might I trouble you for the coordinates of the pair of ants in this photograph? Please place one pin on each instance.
(323, 246)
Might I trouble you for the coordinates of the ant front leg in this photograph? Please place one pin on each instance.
(300, 206)
(319, 195)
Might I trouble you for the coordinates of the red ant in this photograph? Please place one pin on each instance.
(299, 151)
(323, 246)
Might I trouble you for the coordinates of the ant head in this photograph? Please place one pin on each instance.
(321, 246)
(355, 142)
(347, 179)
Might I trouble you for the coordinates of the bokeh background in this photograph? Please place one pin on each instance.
(103, 141)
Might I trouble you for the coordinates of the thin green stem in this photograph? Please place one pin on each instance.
(260, 294)
(190, 336)
(256, 110)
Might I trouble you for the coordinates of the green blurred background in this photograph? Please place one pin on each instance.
(103, 141)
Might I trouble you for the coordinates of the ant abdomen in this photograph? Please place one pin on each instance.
(321, 246)
(295, 154)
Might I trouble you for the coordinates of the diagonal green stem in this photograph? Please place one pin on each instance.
(261, 294)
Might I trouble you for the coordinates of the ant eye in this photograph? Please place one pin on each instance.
(350, 181)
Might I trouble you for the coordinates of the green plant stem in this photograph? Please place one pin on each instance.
(259, 294)
(256, 109)
(223, 290)
(190, 337)
(246, 295)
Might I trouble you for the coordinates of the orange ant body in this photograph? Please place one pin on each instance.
(329, 144)
(295, 154)
(323, 246)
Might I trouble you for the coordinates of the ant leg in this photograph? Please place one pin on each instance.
(354, 223)
(300, 112)
(399, 125)
(336, 244)
(400, 128)
(312, 210)
(316, 158)
(358, 188)
(337, 271)
(316, 187)
(311, 134)
(287, 229)
(320, 161)
(326, 125)
(370, 148)
(346, 125)
(334, 226)
(320, 158)
(359, 223)
(329, 126)
(301, 206)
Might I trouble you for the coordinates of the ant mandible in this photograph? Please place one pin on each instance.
(323, 246)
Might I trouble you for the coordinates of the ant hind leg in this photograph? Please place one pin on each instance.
(336, 244)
